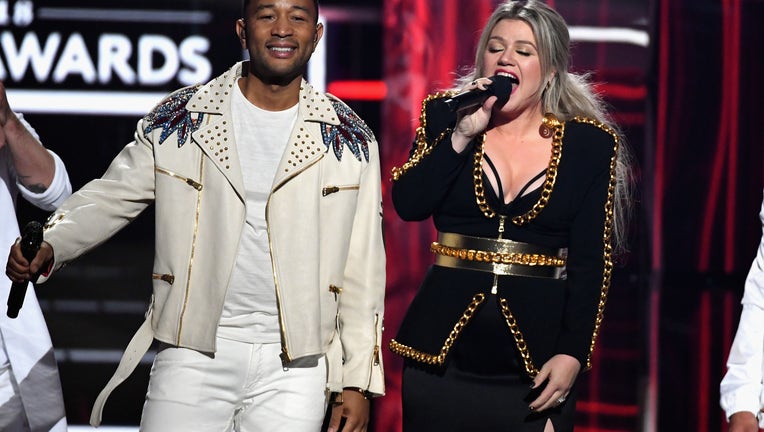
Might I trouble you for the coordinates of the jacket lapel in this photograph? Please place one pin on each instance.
(216, 136)
(306, 143)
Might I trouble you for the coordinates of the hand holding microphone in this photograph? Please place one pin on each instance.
(499, 86)
(27, 247)
(471, 123)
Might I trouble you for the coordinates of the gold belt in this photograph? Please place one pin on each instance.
(499, 256)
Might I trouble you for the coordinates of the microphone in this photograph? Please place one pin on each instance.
(500, 86)
(30, 244)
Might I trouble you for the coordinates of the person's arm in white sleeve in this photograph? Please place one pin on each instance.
(741, 388)
(59, 189)
(40, 175)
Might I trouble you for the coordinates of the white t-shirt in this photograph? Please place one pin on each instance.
(250, 311)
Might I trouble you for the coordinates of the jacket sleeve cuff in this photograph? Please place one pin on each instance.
(56, 193)
(745, 398)
(576, 345)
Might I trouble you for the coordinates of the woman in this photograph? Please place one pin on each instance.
(529, 197)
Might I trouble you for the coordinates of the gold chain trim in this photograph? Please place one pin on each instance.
(550, 121)
(422, 148)
(414, 354)
(477, 175)
(608, 254)
(530, 369)
(497, 257)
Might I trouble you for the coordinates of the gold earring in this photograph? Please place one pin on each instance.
(548, 125)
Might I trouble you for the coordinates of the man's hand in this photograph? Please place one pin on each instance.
(355, 409)
(743, 421)
(20, 270)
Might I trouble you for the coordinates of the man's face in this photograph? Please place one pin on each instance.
(280, 36)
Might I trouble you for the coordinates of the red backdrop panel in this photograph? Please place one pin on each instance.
(425, 42)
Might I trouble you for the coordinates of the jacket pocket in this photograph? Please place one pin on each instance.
(328, 190)
(191, 182)
(170, 279)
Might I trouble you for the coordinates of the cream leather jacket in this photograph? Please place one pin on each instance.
(324, 220)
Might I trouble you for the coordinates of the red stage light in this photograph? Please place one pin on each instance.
(358, 90)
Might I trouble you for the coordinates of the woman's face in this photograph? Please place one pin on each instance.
(512, 50)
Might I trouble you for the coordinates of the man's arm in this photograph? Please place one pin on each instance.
(362, 305)
(741, 387)
(743, 421)
(742, 384)
(34, 166)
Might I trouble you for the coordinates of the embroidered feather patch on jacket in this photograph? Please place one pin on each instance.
(351, 132)
(171, 115)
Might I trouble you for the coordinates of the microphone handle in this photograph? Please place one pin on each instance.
(467, 99)
(500, 86)
(30, 244)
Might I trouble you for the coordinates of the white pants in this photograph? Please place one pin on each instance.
(244, 388)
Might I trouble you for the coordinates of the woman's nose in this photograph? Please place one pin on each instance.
(507, 58)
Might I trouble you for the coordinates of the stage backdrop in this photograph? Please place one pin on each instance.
(426, 43)
(705, 191)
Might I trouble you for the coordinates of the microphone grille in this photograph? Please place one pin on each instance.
(32, 233)
(501, 88)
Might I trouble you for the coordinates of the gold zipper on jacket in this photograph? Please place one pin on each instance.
(196, 185)
(334, 189)
(284, 351)
(170, 279)
(495, 287)
(375, 353)
(376, 340)
(193, 250)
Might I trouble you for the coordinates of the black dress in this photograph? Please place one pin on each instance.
(483, 382)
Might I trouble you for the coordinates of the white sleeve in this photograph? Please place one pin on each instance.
(27, 125)
(741, 388)
(60, 188)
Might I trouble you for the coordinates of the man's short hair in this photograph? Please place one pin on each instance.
(245, 3)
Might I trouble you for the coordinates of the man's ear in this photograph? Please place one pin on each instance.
(241, 29)
(318, 33)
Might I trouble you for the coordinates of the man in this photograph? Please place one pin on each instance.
(30, 389)
(269, 268)
(742, 390)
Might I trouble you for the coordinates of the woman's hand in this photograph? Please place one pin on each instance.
(470, 123)
(561, 371)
